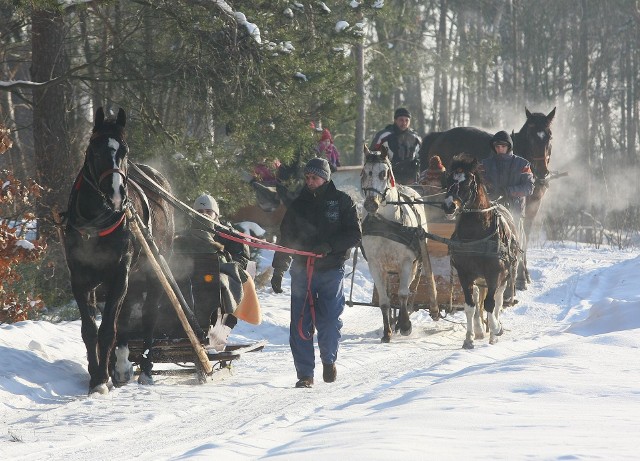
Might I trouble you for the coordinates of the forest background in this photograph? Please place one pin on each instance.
(212, 87)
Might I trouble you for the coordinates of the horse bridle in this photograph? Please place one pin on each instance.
(91, 177)
(384, 193)
(473, 193)
(536, 161)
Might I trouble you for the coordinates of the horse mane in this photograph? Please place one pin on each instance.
(467, 163)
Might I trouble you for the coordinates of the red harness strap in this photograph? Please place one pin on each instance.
(311, 259)
(312, 307)
(110, 229)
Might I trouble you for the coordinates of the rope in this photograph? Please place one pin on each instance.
(312, 307)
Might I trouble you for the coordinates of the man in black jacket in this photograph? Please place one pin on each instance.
(323, 221)
(403, 144)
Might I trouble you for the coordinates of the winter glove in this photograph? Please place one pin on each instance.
(323, 249)
(276, 281)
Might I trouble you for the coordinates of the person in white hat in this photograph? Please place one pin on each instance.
(212, 270)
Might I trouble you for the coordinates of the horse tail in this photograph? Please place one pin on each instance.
(424, 153)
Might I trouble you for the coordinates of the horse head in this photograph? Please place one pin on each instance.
(376, 179)
(106, 158)
(464, 186)
(533, 142)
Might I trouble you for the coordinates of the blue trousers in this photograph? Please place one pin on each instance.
(327, 289)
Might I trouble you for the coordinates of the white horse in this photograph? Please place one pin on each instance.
(392, 239)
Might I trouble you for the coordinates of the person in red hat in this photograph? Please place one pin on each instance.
(327, 149)
(432, 179)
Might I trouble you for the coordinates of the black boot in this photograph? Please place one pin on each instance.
(329, 372)
(306, 381)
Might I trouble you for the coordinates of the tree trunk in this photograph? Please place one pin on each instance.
(56, 164)
(360, 105)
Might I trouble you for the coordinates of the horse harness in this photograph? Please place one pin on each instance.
(499, 243)
(107, 220)
(407, 235)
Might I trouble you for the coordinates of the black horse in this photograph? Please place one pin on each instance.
(102, 251)
(532, 142)
(484, 247)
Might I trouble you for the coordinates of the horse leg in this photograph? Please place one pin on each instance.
(404, 322)
(386, 324)
(469, 308)
(149, 318)
(107, 331)
(493, 305)
(523, 275)
(405, 277)
(122, 368)
(89, 329)
(479, 295)
(380, 281)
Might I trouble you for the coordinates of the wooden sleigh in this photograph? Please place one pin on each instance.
(203, 287)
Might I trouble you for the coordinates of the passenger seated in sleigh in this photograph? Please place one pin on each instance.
(211, 272)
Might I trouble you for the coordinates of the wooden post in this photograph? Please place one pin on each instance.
(195, 342)
(431, 283)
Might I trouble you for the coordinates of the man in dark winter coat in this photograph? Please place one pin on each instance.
(324, 221)
(403, 144)
(507, 175)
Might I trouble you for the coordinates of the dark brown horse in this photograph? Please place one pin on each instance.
(102, 251)
(484, 247)
(533, 142)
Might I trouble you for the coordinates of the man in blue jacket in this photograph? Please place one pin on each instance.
(324, 221)
(509, 176)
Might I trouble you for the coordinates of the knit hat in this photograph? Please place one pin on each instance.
(319, 167)
(326, 134)
(206, 202)
(401, 112)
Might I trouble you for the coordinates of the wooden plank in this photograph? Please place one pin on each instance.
(181, 350)
(442, 229)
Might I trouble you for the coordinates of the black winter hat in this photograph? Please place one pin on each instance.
(501, 136)
(401, 112)
(319, 167)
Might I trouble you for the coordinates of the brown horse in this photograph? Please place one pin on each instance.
(484, 247)
(102, 251)
(532, 142)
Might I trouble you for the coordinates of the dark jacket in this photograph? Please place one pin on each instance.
(404, 145)
(327, 216)
(509, 176)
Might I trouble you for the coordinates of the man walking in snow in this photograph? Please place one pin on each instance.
(324, 221)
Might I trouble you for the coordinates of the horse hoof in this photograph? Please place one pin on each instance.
(499, 333)
(467, 344)
(406, 332)
(100, 389)
(521, 285)
(493, 340)
(385, 339)
(122, 377)
(145, 379)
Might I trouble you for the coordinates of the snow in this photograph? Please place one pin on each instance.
(341, 25)
(27, 245)
(562, 383)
